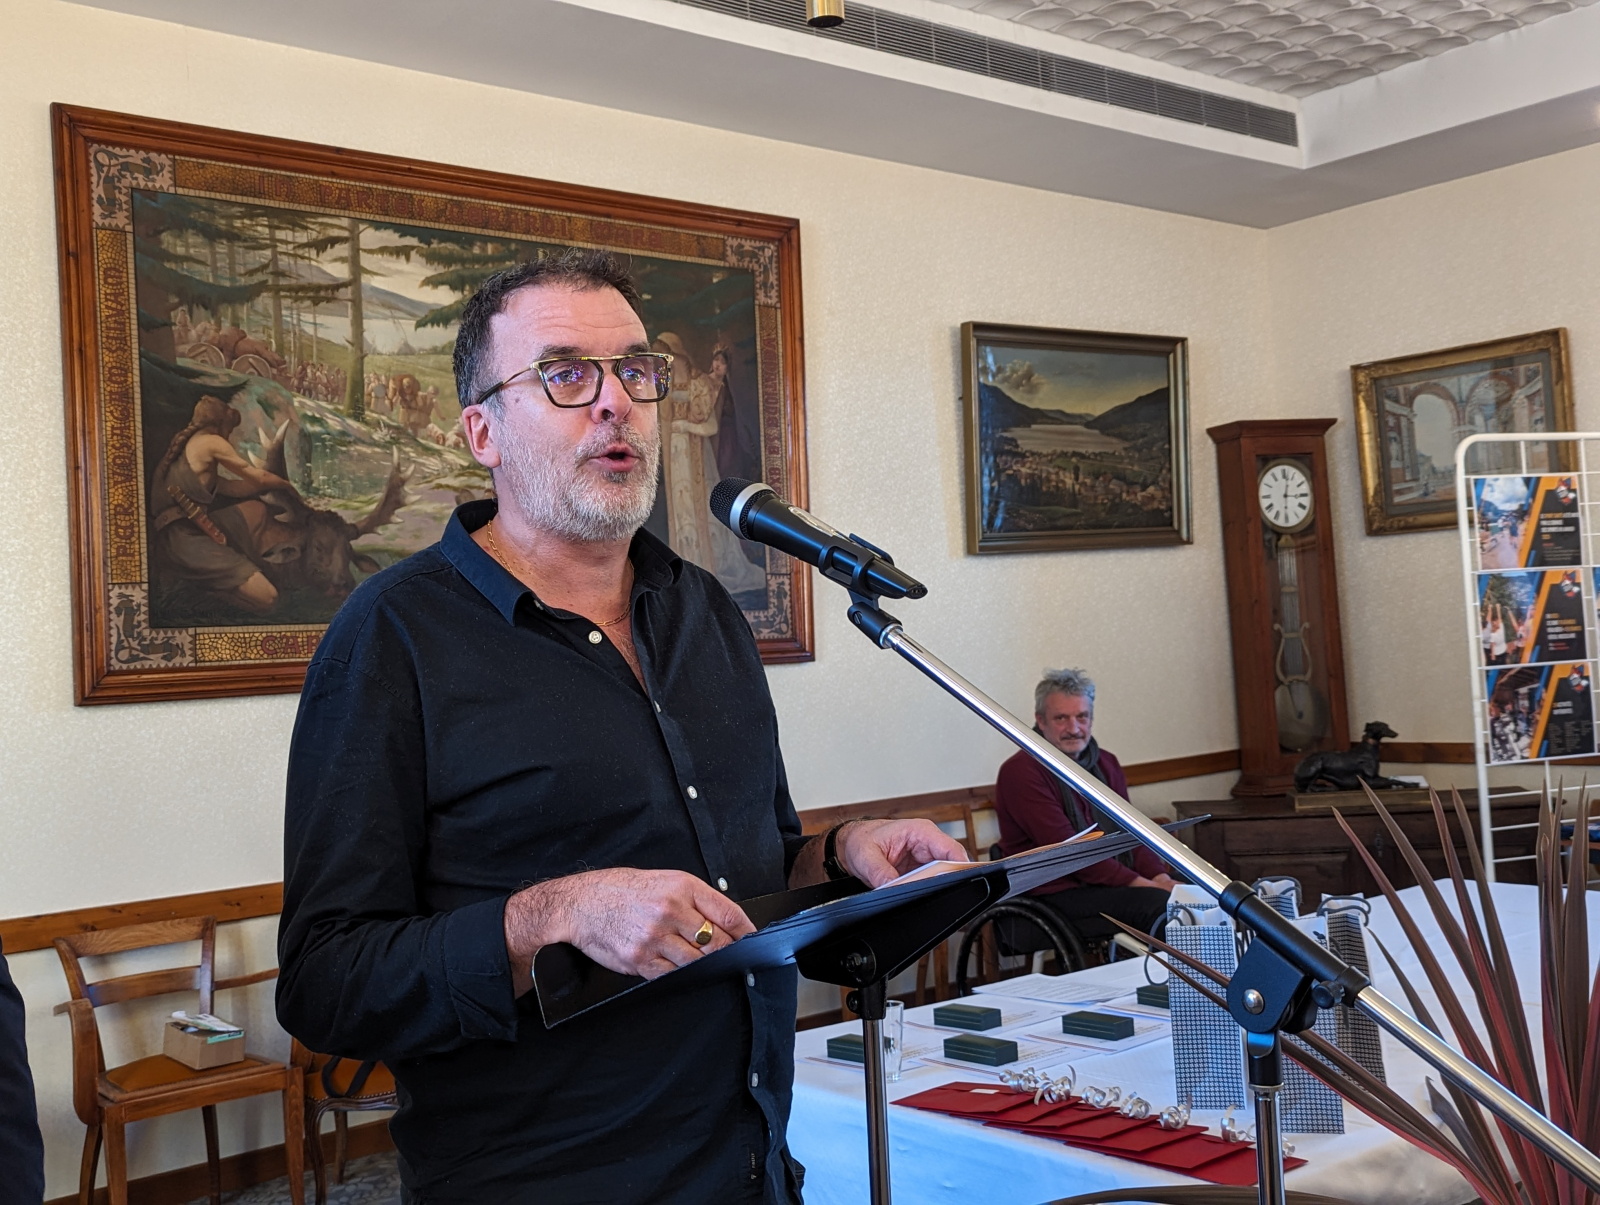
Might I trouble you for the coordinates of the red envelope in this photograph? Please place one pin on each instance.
(1029, 1114)
(1238, 1167)
(1095, 1129)
(1194, 1151)
(1143, 1141)
(1071, 1114)
(966, 1100)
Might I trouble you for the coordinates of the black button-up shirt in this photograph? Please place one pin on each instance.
(458, 740)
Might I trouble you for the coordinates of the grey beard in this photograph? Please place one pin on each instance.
(551, 496)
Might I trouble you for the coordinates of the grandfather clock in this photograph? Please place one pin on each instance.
(1283, 599)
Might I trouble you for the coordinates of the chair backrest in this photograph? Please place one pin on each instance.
(942, 808)
(115, 990)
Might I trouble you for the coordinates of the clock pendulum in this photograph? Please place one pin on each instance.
(1302, 711)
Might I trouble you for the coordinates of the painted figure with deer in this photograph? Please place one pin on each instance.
(241, 531)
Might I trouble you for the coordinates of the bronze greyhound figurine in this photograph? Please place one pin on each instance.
(1337, 771)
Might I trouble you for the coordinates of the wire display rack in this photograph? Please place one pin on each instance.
(1519, 679)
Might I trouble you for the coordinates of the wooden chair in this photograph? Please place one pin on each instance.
(944, 807)
(106, 1100)
(334, 1085)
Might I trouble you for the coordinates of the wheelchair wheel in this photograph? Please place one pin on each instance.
(1016, 928)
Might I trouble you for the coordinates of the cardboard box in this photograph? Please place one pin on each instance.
(199, 1050)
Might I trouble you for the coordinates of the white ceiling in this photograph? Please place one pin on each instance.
(1516, 96)
(1295, 47)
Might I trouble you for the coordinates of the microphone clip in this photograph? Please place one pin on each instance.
(864, 611)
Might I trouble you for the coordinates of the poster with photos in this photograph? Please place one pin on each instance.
(1527, 522)
(1540, 711)
(1527, 616)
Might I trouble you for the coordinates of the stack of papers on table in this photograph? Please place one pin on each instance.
(1099, 983)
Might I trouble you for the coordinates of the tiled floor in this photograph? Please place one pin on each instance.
(369, 1181)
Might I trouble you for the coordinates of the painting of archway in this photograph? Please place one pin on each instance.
(1412, 412)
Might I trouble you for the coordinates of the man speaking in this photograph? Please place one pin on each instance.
(548, 728)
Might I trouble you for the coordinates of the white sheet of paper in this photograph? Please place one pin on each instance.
(1107, 983)
(928, 869)
(1130, 1005)
(1144, 1030)
(905, 1065)
(1013, 1013)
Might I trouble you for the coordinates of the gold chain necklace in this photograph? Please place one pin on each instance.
(494, 547)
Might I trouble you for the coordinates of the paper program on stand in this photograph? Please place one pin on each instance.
(929, 869)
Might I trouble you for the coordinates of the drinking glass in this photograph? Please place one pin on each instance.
(894, 1038)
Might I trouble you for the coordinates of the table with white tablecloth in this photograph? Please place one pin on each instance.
(941, 1159)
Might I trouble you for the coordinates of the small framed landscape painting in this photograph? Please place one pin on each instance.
(1075, 439)
(1411, 413)
(261, 411)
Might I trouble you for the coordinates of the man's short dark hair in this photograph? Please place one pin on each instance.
(575, 268)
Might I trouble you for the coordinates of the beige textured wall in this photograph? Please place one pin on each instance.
(1504, 253)
(115, 803)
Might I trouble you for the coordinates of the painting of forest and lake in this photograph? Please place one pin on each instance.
(1075, 439)
(267, 415)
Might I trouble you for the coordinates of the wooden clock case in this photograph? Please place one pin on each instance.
(1243, 450)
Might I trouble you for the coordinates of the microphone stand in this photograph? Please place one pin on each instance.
(1284, 977)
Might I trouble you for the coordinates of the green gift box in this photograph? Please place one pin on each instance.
(847, 1048)
(967, 1016)
(1098, 1025)
(973, 1048)
(1155, 995)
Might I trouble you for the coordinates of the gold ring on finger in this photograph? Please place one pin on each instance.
(702, 935)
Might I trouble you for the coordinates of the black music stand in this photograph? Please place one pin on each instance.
(840, 933)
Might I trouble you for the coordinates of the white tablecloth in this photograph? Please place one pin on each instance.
(938, 1159)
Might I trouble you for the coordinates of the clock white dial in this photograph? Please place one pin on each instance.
(1283, 492)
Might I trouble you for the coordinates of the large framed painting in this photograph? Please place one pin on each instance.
(1411, 412)
(1074, 439)
(233, 300)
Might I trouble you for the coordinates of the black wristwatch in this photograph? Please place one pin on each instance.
(831, 866)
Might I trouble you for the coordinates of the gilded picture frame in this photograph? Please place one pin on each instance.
(242, 314)
(1412, 411)
(1074, 439)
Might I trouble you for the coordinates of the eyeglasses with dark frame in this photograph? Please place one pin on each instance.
(574, 382)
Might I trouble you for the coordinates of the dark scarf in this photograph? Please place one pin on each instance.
(1079, 812)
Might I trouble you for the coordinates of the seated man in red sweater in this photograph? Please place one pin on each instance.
(1036, 808)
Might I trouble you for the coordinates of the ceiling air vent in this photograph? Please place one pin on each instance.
(914, 38)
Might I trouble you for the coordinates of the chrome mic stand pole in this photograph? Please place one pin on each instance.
(1264, 1059)
(870, 1002)
(1284, 977)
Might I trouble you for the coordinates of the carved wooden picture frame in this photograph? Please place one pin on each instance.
(1412, 411)
(206, 281)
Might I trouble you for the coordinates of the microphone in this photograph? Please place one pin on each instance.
(754, 510)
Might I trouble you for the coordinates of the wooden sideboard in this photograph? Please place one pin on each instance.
(1250, 839)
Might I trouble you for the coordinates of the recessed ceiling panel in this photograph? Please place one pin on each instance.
(1295, 47)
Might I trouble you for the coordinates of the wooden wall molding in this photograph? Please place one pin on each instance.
(1421, 753)
(266, 899)
(1173, 768)
(236, 903)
